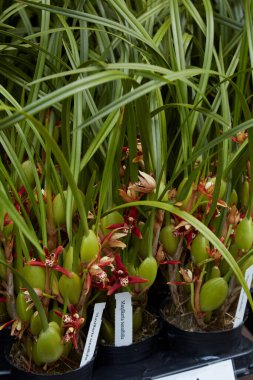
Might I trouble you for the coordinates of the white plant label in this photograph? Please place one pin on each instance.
(218, 371)
(123, 319)
(93, 332)
(240, 311)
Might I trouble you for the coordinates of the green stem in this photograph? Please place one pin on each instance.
(230, 228)
(150, 235)
(203, 272)
(90, 302)
(197, 288)
(167, 218)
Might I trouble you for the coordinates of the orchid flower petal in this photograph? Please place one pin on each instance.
(62, 270)
(6, 324)
(136, 280)
(113, 288)
(36, 263)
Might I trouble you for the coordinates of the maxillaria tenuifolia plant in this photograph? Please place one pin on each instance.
(126, 146)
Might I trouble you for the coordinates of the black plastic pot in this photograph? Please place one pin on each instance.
(201, 343)
(5, 343)
(249, 321)
(84, 373)
(157, 293)
(109, 354)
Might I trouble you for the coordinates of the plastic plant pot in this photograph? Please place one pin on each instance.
(109, 354)
(202, 343)
(5, 343)
(249, 321)
(84, 372)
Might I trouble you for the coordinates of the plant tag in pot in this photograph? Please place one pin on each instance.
(218, 371)
(92, 337)
(123, 319)
(240, 311)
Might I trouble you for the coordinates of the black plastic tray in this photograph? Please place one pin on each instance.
(166, 362)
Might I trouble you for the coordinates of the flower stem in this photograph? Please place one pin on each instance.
(150, 235)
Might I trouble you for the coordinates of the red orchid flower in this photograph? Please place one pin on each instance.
(214, 253)
(97, 272)
(206, 187)
(120, 277)
(139, 157)
(28, 298)
(129, 225)
(128, 194)
(51, 261)
(112, 240)
(72, 322)
(183, 228)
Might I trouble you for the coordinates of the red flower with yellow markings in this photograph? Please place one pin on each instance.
(51, 261)
(72, 322)
(129, 225)
(120, 277)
